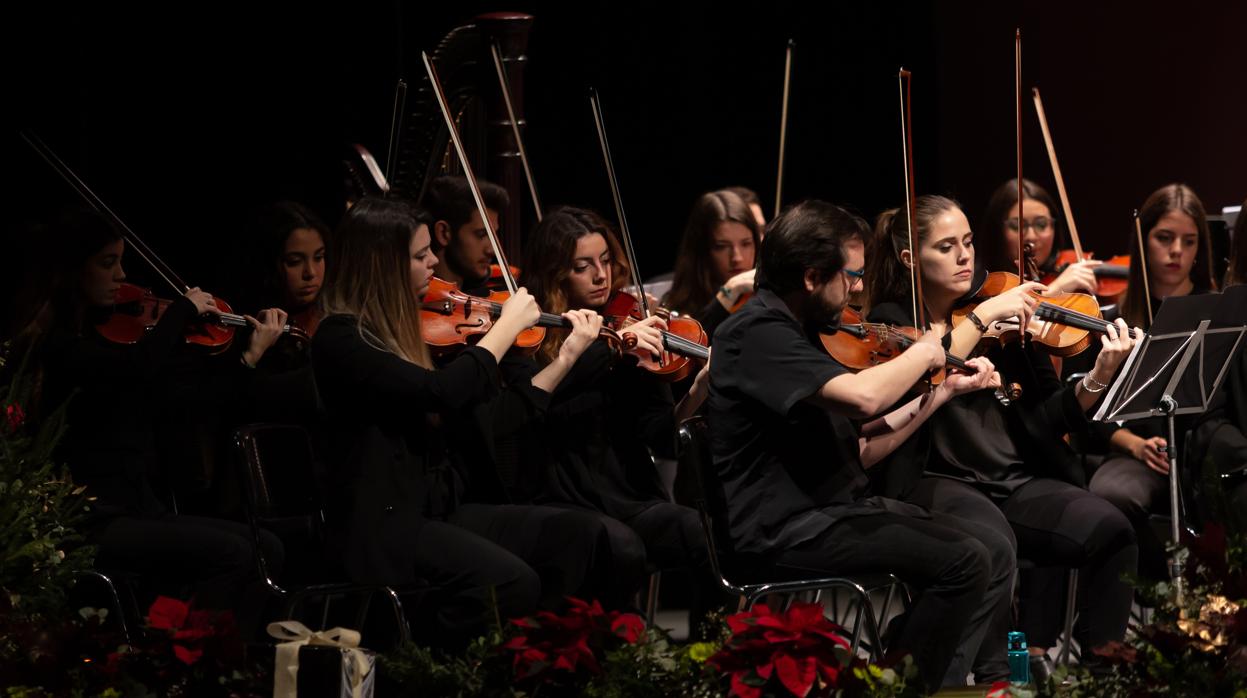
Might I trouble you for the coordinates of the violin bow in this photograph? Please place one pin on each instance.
(911, 202)
(1017, 87)
(783, 126)
(164, 271)
(1056, 172)
(396, 126)
(507, 277)
(629, 250)
(1147, 292)
(503, 82)
(158, 265)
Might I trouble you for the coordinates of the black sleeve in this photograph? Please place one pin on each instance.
(777, 365)
(380, 378)
(88, 362)
(647, 402)
(519, 404)
(712, 316)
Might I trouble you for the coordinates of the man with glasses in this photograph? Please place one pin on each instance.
(792, 463)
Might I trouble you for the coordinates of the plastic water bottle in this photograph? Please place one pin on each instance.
(1019, 659)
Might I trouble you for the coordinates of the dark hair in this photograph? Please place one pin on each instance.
(887, 275)
(548, 255)
(989, 242)
(1171, 197)
(1237, 271)
(808, 235)
(270, 228)
(749, 196)
(371, 275)
(693, 286)
(449, 198)
(60, 250)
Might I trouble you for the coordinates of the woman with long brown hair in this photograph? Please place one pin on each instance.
(402, 508)
(606, 417)
(1177, 261)
(715, 265)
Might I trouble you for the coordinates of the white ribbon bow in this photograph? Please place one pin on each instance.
(294, 635)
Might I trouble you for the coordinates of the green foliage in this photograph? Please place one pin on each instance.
(40, 550)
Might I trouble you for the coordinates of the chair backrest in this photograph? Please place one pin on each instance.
(697, 462)
(279, 471)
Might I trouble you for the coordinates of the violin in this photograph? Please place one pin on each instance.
(1111, 277)
(451, 319)
(684, 340)
(137, 310)
(1062, 323)
(858, 345)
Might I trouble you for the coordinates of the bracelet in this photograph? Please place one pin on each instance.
(1088, 379)
(727, 292)
(977, 322)
(243, 359)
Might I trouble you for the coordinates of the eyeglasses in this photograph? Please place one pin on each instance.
(854, 274)
(1039, 224)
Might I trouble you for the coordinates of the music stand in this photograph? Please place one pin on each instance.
(1176, 369)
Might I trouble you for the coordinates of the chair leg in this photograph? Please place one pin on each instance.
(651, 597)
(1071, 604)
(400, 616)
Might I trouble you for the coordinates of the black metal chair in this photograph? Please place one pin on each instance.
(752, 577)
(282, 494)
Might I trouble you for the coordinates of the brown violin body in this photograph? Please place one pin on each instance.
(1110, 277)
(1057, 338)
(858, 345)
(451, 319)
(137, 310)
(684, 339)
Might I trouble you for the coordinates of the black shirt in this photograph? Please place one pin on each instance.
(789, 469)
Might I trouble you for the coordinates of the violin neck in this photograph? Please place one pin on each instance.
(1073, 318)
(1113, 271)
(552, 320)
(236, 320)
(676, 344)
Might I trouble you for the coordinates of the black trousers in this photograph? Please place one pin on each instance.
(983, 649)
(1138, 491)
(950, 568)
(1059, 525)
(488, 564)
(214, 558)
(662, 536)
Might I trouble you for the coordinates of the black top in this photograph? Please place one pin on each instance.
(593, 446)
(789, 469)
(712, 316)
(110, 443)
(1030, 428)
(389, 469)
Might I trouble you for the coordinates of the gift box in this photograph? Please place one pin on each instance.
(325, 664)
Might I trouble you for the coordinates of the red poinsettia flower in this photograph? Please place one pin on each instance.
(167, 614)
(14, 417)
(187, 655)
(552, 642)
(798, 646)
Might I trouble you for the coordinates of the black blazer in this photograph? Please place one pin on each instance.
(1046, 410)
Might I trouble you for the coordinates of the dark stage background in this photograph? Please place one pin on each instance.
(186, 116)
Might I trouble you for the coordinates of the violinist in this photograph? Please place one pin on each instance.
(1218, 441)
(285, 268)
(402, 509)
(792, 463)
(714, 268)
(110, 445)
(1042, 229)
(1007, 469)
(1177, 261)
(593, 453)
(750, 197)
(459, 238)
